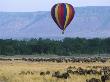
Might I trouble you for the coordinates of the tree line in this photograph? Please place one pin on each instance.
(66, 47)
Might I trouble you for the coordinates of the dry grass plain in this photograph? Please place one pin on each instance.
(10, 71)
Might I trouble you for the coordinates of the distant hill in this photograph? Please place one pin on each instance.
(89, 22)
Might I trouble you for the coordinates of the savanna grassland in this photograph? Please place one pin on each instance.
(25, 71)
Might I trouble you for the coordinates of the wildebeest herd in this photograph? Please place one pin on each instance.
(64, 59)
(61, 59)
(102, 71)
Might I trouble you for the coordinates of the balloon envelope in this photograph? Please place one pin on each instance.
(62, 14)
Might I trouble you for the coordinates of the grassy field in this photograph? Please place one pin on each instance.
(12, 71)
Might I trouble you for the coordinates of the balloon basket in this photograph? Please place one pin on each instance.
(62, 32)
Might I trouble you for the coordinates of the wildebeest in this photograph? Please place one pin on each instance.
(47, 72)
(62, 76)
(26, 73)
(42, 73)
(105, 77)
(93, 80)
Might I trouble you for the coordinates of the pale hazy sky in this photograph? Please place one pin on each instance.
(45, 5)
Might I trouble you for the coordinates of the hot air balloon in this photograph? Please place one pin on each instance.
(62, 14)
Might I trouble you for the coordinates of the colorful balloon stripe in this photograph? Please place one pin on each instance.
(62, 14)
